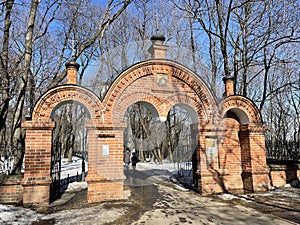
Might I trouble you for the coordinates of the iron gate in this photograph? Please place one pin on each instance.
(55, 170)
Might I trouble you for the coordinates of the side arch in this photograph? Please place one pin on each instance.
(244, 109)
(52, 98)
(39, 138)
(243, 146)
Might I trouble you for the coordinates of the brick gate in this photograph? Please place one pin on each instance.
(230, 153)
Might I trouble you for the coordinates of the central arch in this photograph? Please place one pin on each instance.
(141, 82)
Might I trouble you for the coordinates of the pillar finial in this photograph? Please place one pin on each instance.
(72, 68)
(229, 85)
(158, 49)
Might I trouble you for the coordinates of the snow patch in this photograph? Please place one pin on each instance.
(76, 186)
(226, 196)
(17, 215)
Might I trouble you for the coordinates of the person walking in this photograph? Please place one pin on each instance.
(127, 158)
(134, 159)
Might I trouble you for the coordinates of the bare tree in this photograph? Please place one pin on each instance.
(39, 48)
(5, 76)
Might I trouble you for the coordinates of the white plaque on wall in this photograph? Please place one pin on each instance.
(105, 149)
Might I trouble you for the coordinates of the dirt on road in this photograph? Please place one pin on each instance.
(153, 201)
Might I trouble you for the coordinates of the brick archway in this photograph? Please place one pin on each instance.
(244, 108)
(140, 83)
(128, 100)
(37, 176)
(234, 123)
(244, 138)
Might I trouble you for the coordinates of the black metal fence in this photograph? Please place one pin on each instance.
(283, 150)
(60, 183)
(5, 165)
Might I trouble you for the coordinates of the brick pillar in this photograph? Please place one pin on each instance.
(255, 171)
(230, 165)
(209, 179)
(72, 69)
(37, 175)
(229, 85)
(105, 173)
(158, 49)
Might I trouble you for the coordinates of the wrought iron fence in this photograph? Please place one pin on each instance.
(7, 161)
(6, 165)
(283, 150)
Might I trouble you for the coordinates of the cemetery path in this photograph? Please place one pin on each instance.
(153, 199)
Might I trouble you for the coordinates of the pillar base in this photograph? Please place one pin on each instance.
(36, 191)
(105, 191)
(210, 183)
(256, 181)
(101, 189)
(261, 180)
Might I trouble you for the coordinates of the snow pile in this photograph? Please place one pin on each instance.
(226, 196)
(76, 186)
(17, 215)
(287, 193)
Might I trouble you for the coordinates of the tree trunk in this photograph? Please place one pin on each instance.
(5, 78)
(18, 142)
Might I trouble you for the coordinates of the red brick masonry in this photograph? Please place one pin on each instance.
(234, 125)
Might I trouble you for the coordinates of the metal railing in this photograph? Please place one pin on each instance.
(283, 150)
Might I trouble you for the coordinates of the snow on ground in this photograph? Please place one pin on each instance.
(284, 192)
(17, 215)
(20, 216)
(226, 196)
(171, 167)
(73, 168)
(23, 216)
(165, 170)
(12, 215)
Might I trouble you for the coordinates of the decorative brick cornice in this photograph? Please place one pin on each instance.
(42, 124)
(253, 128)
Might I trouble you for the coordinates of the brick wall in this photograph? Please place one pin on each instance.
(11, 190)
(281, 175)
